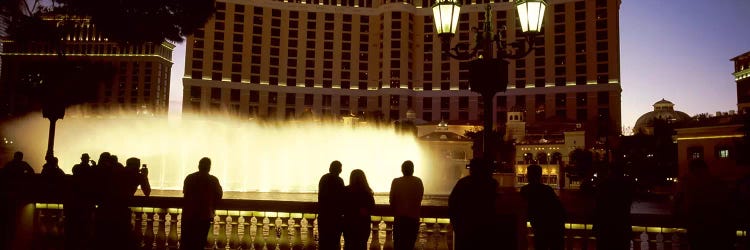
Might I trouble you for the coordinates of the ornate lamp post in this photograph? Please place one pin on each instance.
(488, 65)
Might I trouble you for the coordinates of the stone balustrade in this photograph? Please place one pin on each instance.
(263, 224)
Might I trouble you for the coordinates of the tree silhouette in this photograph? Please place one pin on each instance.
(504, 151)
(52, 23)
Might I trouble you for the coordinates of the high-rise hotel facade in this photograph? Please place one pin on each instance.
(140, 83)
(279, 59)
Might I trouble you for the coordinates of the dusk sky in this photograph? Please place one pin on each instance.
(676, 50)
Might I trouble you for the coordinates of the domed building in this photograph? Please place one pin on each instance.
(663, 110)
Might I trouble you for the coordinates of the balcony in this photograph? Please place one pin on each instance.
(244, 222)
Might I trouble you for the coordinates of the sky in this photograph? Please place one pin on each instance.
(676, 50)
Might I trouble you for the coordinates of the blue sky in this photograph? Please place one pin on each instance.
(680, 51)
(676, 50)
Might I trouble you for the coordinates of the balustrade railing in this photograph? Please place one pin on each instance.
(255, 224)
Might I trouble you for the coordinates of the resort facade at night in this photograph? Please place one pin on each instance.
(279, 59)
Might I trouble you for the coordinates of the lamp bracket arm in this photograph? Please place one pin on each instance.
(526, 50)
(461, 52)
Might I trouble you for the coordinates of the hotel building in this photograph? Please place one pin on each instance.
(140, 83)
(276, 59)
(742, 77)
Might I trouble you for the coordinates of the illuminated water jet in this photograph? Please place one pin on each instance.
(247, 156)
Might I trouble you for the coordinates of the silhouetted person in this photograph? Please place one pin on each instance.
(406, 200)
(614, 197)
(51, 169)
(113, 228)
(79, 206)
(357, 210)
(330, 208)
(202, 192)
(703, 201)
(17, 167)
(471, 207)
(14, 190)
(84, 166)
(544, 211)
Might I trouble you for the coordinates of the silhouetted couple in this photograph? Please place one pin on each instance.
(348, 209)
(344, 209)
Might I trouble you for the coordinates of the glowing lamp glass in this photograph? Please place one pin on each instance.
(531, 14)
(445, 13)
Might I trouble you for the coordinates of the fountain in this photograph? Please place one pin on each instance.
(247, 156)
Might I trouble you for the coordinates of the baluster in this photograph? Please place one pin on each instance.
(388, 235)
(172, 239)
(40, 225)
(446, 234)
(54, 226)
(161, 235)
(375, 238)
(259, 242)
(149, 235)
(429, 233)
(273, 233)
(221, 241)
(61, 228)
(247, 241)
(675, 240)
(138, 226)
(310, 236)
(234, 237)
(297, 242)
(211, 238)
(284, 243)
(659, 241)
(55, 236)
(644, 240)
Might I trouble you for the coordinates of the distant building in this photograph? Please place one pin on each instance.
(140, 83)
(549, 145)
(718, 140)
(664, 111)
(275, 59)
(742, 77)
(448, 153)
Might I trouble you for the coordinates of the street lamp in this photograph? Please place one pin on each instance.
(488, 65)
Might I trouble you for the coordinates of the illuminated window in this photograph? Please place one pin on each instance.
(695, 152)
(724, 153)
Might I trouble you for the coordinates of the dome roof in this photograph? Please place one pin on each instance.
(663, 110)
(443, 136)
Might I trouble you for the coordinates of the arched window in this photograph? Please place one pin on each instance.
(695, 152)
(528, 158)
(556, 158)
(542, 158)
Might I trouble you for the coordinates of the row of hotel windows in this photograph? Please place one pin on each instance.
(445, 103)
(255, 71)
(88, 48)
(581, 98)
(122, 85)
(420, 3)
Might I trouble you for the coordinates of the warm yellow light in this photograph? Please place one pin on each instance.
(246, 156)
(445, 13)
(531, 14)
(710, 137)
